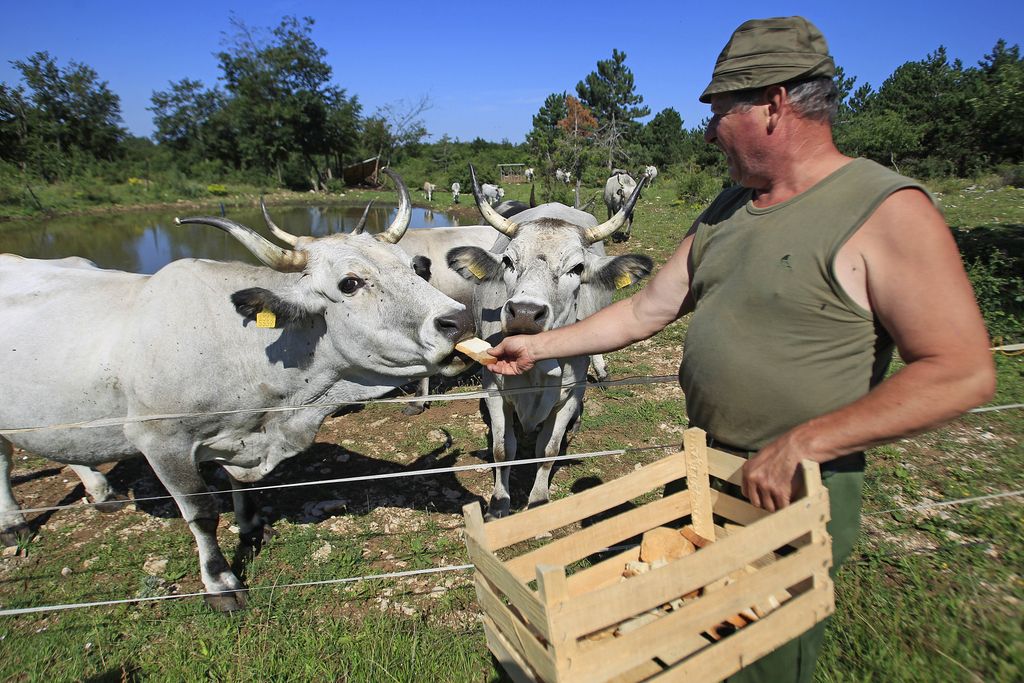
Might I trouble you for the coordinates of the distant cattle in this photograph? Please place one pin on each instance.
(652, 173)
(563, 176)
(529, 175)
(617, 190)
(456, 188)
(549, 270)
(492, 193)
(223, 347)
(428, 189)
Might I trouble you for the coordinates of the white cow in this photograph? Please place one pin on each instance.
(563, 176)
(550, 271)
(428, 189)
(617, 190)
(336, 319)
(652, 173)
(456, 188)
(529, 175)
(492, 193)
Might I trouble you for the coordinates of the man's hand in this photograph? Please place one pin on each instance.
(514, 356)
(770, 477)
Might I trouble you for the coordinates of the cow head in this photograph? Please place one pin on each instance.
(369, 297)
(546, 262)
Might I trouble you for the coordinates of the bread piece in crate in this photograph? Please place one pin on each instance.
(555, 612)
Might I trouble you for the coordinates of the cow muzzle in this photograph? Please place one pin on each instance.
(525, 317)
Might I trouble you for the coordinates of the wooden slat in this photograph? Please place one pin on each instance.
(553, 590)
(736, 509)
(517, 669)
(752, 642)
(596, 610)
(725, 466)
(603, 573)
(677, 634)
(517, 593)
(517, 636)
(695, 445)
(528, 524)
(607, 532)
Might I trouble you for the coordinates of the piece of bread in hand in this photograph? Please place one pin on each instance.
(476, 349)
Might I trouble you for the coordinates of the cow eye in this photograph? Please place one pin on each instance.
(507, 262)
(577, 270)
(350, 284)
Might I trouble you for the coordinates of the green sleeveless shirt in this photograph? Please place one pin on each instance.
(774, 340)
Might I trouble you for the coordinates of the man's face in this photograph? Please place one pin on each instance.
(734, 128)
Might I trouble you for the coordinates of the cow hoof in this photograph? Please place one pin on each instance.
(112, 504)
(497, 509)
(536, 504)
(413, 409)
(227, 602)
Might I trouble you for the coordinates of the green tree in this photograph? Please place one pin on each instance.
(63, 116)
(282, 102)
(541, 138)
(610, 94)
(999, 105)
(664, 139)
(183, 117)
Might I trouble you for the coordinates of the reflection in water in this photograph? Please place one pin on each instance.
(145, 241)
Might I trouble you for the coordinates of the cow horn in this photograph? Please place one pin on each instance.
(361, 225)
(495, 219)
(401, 222)
(600, 232)
(280, 234)
(533, 196)
(284, 260)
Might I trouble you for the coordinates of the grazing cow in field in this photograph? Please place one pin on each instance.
(492, 193)
(548, 271)
(221, 346)
(529, 175)
(456, 188)
(617, 190)
(563, 176)
(428, 189)
(652, 173)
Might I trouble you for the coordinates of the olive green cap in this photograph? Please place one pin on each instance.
(764, 52)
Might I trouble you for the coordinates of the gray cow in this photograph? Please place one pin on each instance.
(617, 190)
(551, 271)
(337, 319)
(428, 189)
(492, 193)
(456, 189)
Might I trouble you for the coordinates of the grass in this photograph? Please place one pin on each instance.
(928, 595)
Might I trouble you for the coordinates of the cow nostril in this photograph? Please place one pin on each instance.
(451, 326)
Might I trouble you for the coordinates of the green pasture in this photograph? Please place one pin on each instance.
(931, 594)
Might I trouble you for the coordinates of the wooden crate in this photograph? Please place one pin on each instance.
(541, 620)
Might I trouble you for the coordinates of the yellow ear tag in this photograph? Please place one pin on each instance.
(623, 280)
(266, 318)
(478, 272)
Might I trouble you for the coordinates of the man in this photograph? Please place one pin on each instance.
(801, 278)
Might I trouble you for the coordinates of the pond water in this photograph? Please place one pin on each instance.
(145, 241)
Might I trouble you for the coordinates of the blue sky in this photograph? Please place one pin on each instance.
(486, 67)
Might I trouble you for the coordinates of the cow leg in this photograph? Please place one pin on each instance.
(250, 522)
(13, 526)
(180, 476)
(549, 443)
(600, 366)
(98, 488)
(417, 407)
(503, 446)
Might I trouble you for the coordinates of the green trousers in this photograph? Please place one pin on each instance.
(795, 660)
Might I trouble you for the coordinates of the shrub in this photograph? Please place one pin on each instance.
(697, 186)
(999, 289)
(217, 190)
(1012, 176)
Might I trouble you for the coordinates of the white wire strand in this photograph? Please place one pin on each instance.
(460, 396)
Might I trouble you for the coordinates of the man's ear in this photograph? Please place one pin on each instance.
(251, 302)
(474, 264)
(775, 96)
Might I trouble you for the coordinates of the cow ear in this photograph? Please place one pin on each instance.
(421, 264)
(256, 303)
(473, 263)
(617, 272)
